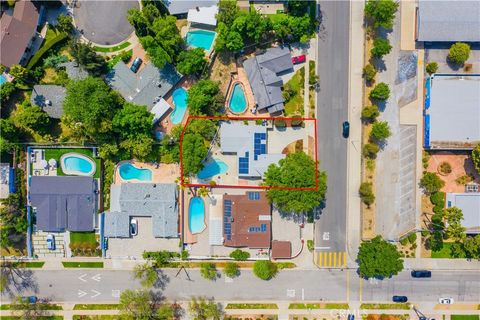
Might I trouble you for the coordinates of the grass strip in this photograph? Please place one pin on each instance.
(464, 317)
(42, 306)
(304, 306)
(82, 264)
(28, 264)
(37, 317)
(251, 306)
(384, 306)
(100, 317)
(94, 306)
(112, 49)
(45, 47)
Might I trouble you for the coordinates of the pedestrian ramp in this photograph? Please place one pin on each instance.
(331, 259)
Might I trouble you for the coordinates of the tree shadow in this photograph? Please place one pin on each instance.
(15, 280)
(453, 65)
(379, 64)
(162, 280)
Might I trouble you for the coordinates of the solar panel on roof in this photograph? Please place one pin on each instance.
(263, 227)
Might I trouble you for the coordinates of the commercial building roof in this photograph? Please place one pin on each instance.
(454, 112)
(49, 98)
(16, 32)
(448, 21)
(180, 7)
(247, 220)
(263, 74)
(249, 142)
(281, 249)
(469, 203)
(64, 202)
(144, 88)
(203, 15)
(155, 200)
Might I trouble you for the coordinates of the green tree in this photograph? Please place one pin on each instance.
(191, 61)
(369, 72)
(167, 35)
(227, 11)
(146, 273)
(193, 153)
(380, 131)
(459, 53)
(30, 117)
(139, 147)
(167, 312)
(204, 98)
(370, 150)
(366, 193)
(203, 309)
(136, 304)
(9, 135)
(207, 128)
(382, 12)
(208, 271)
(454, 217)
(231, 269)
(132, 120)
(160, 258)
(19, 73)
(431, 183)
(6, 91)
(476, 157)
(381, 47)
(380, 92)
(227, 40)
(155, 52)
(239, 255)
(378, 259)
(91, 104)
(252, 25)
(65, 23)
(85, 56)
(265, 269)
(432, 67)
(370, 113)
(297, 170)
(471, 247)
(138, 21)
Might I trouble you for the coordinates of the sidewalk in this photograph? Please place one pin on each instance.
(442, 264)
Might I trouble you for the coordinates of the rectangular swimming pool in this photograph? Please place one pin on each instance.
(200, 39)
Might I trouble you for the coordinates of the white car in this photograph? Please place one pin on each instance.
(133, 227)
(445, 300)
(50, 242)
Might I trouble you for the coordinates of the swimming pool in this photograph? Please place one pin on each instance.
(212, 169)
(179, 96)
(238, 103)
(77, 164)
(200, 39)
(129, 172)
(3, 79)
(196, 215)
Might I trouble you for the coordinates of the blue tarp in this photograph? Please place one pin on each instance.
(426, 137)
(11, 182)
(427, 95)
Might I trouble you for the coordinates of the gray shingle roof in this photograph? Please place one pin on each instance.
(74, 71)
(64, 202)
(144, 87)
(469, 203)
(262, 71)
(448, 21)
(176, 7)
(54, 94)
(155, 200)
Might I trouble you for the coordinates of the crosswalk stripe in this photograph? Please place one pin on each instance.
(344, 259)
(334, 259)
(329, 259)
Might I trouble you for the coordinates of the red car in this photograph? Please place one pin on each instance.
(299, 59)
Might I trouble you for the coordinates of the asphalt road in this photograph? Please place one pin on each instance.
(332, 111)
(295, 285)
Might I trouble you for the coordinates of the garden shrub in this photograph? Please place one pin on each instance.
(438, 199)
(240, 255)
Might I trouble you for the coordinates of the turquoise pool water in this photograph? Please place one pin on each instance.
(3, 79)
(77, 164)
(179, 96)
(200, 39)
(212, 169)
(130, 172)
(196, 215)
(238, 103)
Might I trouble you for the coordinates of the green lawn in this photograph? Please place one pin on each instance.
(444, 253)
(384, 306)
(83, 237)
(38, 317)
(294, 105)
(102, 317)
(82, 264)
(304, 306)
(94, 306)
(464, 317)
(52, 38)
(112, 49)
(31, 264)
(42, 307)
(277, 16)
(56, 153)
(251, 306)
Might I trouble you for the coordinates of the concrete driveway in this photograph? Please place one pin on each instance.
(104, 22)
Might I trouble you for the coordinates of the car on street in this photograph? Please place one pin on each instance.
(134, 227)
(445, 300)
(50, 242)
(29, 299)
(421, 274)
(399, 299)
(136, 64)
(351, 317)
(346, 129)
(299, 59)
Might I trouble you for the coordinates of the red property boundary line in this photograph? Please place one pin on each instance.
(182, 181)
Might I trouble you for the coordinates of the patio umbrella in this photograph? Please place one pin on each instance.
(44, 163)
(52, 163)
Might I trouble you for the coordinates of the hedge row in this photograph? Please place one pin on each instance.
(49, 44)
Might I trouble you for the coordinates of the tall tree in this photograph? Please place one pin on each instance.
(476, 157)
(378, 258)
(9, 135)
(136, 305)
(30, 117)
(85, 56)
(132, 120)
(155, 52)
(65, 23)
(454, 217)
(204, 98)
(203, 309)
(167, 35)
(227, 11)
(139, 147)
(146, 273)
(191, 62)
(194, 152)
(382, 12)
(297, 170)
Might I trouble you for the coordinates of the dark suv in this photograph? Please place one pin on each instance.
(399, 299)
(421, 274)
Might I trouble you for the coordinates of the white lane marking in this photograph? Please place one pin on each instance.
(96, 293)
(81, 293)
(303, 294)
(116, 293)
(81, 278)
(228, 280)
(291, 293)
(97, 277)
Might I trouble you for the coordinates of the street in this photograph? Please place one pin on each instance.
(332, 111)
(93, 286)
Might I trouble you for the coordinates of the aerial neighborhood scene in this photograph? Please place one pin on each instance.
(240, 159)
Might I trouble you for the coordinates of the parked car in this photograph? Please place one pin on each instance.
(29, 299)
(445, 300)
(399, 299)
(421, 274)
(351, 317)
(346, 129)
(134, 227)
(50, 242)
(299, 59)
(136, 64)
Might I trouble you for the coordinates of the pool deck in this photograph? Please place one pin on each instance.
(163, 173)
